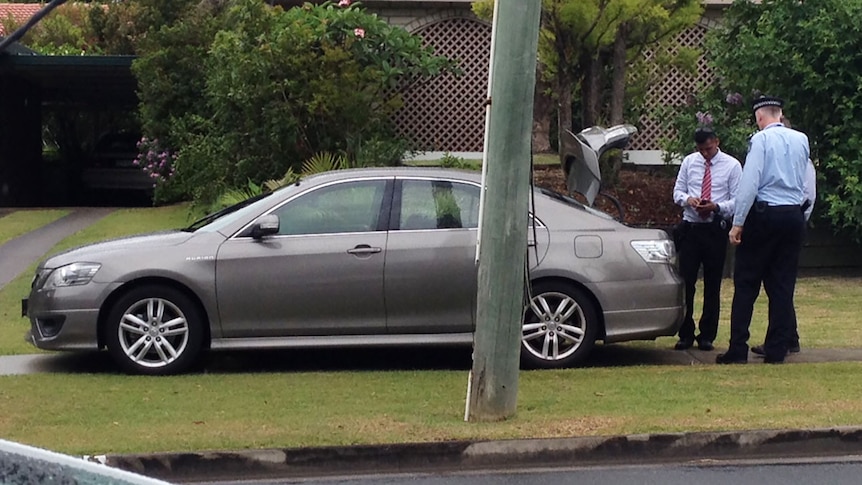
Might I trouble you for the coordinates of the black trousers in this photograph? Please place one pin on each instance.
(768, 255)
(703, 244)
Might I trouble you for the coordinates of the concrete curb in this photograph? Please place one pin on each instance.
(474, 455)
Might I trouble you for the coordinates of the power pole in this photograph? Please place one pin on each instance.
(493, 384)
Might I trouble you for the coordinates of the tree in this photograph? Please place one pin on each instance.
(247, 91)
(810, 54)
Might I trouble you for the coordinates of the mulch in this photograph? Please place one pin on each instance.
(646, 197)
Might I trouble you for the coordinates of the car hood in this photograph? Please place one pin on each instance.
(97, 251)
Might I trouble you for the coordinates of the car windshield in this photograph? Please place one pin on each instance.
(217, 220)
(572, 202)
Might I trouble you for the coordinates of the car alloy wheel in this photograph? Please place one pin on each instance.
(559, 326)
(154, 330)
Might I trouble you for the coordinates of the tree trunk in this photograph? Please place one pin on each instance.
(543, 107)
(564, 107)
(613, 162)
(591, 90)
(618, 83)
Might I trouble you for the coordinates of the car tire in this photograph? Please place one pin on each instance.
(155, 330)
(559, 326)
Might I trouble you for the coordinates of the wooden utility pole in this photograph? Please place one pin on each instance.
(493, 385)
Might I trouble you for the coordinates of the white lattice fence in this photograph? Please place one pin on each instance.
(674, 88)
(447, 113)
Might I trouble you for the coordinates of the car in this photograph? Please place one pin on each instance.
(359, 257)
(20, 464)
(111, 167)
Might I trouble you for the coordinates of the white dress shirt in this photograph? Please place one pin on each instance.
(725, 171)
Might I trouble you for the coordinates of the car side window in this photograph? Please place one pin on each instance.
(344, 207)
(438, 204)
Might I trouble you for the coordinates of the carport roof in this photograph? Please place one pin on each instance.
(100, 81)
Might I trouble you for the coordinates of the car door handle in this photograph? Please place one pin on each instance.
(364, 249)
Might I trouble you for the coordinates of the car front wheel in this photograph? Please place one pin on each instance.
(154, 330)
(560, 325)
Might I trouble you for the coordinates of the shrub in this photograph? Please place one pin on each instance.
(248, 91)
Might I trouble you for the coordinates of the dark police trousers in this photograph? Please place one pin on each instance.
(768, 254)
(702, 244)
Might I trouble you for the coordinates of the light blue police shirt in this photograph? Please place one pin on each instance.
(774, 170)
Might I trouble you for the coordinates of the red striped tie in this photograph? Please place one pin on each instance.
(706, 185)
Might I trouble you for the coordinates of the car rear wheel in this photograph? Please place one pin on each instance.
(155, 330)
(559, 328)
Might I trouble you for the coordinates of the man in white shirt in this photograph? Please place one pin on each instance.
(706, 188)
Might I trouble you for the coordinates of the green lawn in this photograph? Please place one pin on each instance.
(23, 221)
(94, 414)
(112, 413)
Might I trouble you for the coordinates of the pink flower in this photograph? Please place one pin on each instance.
(344, 3)
(358, 32)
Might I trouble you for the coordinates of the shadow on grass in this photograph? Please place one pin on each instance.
(347, 360)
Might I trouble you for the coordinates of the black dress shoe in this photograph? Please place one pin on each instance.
(683, 344)
(705, 345)
(758, 349)
(730, 359)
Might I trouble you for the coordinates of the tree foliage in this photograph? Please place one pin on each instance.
(810, 54)
(244, 91)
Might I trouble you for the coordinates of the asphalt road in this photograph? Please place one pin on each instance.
(832, 470)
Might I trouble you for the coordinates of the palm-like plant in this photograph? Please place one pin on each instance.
(320, 162)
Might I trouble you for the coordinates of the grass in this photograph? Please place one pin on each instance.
(92, 414)
(111, 413)
(826, 308)
(24, 221)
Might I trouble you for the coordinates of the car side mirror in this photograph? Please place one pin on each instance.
(265, 226)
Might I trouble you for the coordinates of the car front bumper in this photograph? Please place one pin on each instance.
(64, 318)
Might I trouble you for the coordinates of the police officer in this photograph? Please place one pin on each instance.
(810, 191)
(705, 187)
(767, 228)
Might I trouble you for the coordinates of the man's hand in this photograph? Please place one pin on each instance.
(735, 235)
(705, 208)
(693, 202)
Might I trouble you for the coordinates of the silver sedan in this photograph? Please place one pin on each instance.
(366, 257)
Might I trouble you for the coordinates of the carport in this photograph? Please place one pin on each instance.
(32, 85)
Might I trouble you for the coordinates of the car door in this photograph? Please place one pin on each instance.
(321, 275)
(430, 274)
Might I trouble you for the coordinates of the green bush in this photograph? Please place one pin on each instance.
(247, 91)
(810, 54)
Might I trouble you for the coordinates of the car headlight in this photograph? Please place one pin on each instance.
(655, 251)
(74, 274)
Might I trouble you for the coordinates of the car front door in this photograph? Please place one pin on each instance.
(322, 274)
(430, 274)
